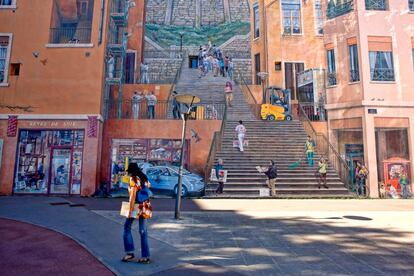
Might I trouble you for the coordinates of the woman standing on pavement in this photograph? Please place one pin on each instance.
(138, 192)
(219, 167)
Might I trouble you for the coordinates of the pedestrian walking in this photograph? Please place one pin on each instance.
(151, 101)
(228, 92)
(219, 167)
(322, 166)
(271, 173)
(241, 132)
(226, 65)
(216, 68)
(321, 104)
(136, 102)
(309, 150)
(405, 185)
(361, 173)
(221, 65)
(144, 73)
(230, 70)
(110, 63)
(176, 106)
(138, 193)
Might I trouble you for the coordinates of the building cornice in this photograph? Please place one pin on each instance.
(51, 116)
(373, 103)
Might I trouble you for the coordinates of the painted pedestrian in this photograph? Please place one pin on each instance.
(110, 63)
(138, 194)
(219, 167)
(176, 106)
(151, 102)
(361, 173)
(136, 102)
(405, 185)
(240, 133)
(322, 168)
(228, 92)
(309, 150)
(144, 73)
(271, 173)
(230, 70)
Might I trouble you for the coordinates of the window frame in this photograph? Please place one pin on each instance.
(282, 16)
(386, 6)
(353, 47)
(392, 63)
(8, 57)
(331, 53)
(411, 6)
(256, 21)
(316, 18)
(11, 6)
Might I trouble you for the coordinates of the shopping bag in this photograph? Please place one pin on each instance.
(125, 209)
(222, 176)
(236, 143)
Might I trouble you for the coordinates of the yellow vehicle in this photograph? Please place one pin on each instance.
(276, 105)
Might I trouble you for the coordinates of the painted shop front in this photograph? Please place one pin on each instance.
(47, 157)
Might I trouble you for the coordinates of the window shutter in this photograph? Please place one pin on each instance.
(379, 43)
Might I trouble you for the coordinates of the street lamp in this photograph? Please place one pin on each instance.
(263, 76)
(187, 100)
(181, 40)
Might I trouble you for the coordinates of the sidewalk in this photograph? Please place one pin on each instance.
(249, 237)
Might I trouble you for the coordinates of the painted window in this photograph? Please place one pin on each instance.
(318, 17)
(256, 21)
(291, 17)
(377, 5)
(257, 68)
(381, 66)
(353, 63)
(71, 22)
(331, 67)
(411, 5)
(5, 43)
(7, 3)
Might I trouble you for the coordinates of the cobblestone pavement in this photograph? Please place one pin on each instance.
(250, 237)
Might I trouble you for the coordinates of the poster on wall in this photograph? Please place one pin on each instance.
(159, 159)
(397, 179)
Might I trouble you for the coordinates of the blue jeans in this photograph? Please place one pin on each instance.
(361, 190)
(129, 241)
(310, 158)
(151, 112)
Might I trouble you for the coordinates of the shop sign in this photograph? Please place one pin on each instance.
(46, 124)
(305, 78)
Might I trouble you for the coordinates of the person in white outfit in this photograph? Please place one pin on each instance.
(241, 131)
(136, 102)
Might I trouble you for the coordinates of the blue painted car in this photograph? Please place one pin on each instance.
(166, 178)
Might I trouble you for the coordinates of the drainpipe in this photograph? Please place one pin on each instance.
(101, 22)
(265, 34)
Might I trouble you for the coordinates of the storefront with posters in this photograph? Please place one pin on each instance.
(50, 157)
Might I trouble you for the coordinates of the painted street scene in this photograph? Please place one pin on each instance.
(206, 137)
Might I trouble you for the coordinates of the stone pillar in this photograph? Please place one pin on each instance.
(227, 15)
(198, 14)
(169, 12)
(370, 154)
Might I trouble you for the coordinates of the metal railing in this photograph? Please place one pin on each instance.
(248, 96)
(380, 74)
(215, 147)
(331, 79)
(70, 35)
(324, 148)
(314, 111)
(339, 9)
(354, 74)
(163, 110)
(378, 5)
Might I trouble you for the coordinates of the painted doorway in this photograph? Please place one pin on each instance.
(130, 67)
(60, 171)
(193, 62)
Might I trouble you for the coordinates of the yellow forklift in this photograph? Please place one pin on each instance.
(276, 105)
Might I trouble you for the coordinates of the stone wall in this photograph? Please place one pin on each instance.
(155, 11)
(244, 68)
(184, 13)
(212, 12)
(162, 70)
(237, 47)
(239, 10)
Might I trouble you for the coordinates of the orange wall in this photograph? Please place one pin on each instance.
(91, 154)
(161, 129)
(67, 81)
(273, 46)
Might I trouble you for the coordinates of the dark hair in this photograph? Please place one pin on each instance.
(241, 122)
(134, 170)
